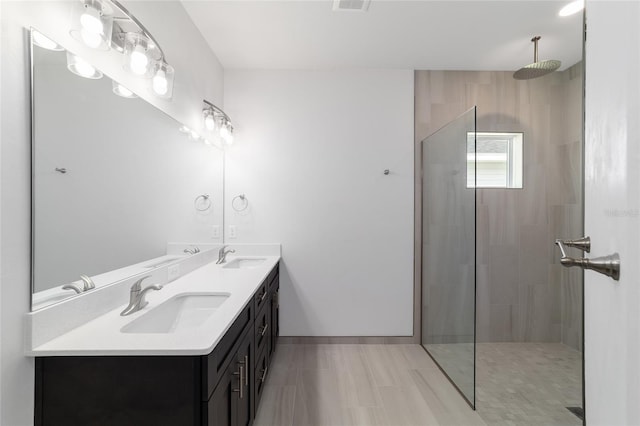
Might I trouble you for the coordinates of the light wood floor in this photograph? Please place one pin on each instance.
(360, 385)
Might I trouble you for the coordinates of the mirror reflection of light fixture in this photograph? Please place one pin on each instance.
(140, 54)
(106, 24)
(162, 80)
(226, 133)
(122, 91)
(45, 42)
(92, 23)
(81, 67)
(217, 122)
(572, 8)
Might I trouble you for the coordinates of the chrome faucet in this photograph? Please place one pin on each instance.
(222, 255)
(88, 285)
(136, 296)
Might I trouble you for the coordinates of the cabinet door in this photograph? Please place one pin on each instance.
(221, 409)
(245, 361)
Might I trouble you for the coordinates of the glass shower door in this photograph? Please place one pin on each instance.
(449, 250)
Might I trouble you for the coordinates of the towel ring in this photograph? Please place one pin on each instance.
(202, 202)
(240, 205)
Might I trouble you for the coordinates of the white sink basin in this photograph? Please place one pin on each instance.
(182, 312)
(244, 262)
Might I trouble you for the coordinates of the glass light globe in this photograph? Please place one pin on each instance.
(90, 20)
(139, 61)
(160, 84)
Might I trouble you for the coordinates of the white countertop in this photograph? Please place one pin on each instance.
(102, 335)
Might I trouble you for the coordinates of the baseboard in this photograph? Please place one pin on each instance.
(347, 340)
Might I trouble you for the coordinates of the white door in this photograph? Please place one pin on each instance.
(612, 211)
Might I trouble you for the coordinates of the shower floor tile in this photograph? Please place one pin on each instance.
(528, 383)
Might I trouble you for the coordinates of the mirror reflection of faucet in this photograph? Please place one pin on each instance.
(88, 284)
(192, 250)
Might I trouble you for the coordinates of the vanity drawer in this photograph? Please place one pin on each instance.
(214, 364)
(262, 329)
(262, 296)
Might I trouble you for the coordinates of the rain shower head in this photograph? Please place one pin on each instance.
(536, 69)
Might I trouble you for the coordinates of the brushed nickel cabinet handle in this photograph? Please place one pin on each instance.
(264, 374)
(264, 330)
(263, 295)
(240, 382)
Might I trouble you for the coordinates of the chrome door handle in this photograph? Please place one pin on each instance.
(606, 265)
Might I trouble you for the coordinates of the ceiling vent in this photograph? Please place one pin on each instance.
(351, 5)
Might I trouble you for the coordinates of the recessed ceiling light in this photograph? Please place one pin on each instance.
(572, 8)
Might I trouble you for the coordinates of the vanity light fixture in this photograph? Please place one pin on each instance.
(122, 91)
(572, 8)
(92, 23)
(217, 122)
(45, 42)
(81, 67)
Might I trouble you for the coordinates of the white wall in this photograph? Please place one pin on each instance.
(198, 75)
(612, 211)
(310, 151)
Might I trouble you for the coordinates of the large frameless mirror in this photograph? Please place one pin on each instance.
(114, 179)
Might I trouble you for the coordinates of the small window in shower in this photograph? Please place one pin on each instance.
(494, 160)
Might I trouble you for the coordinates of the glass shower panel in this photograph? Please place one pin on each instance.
(448, 250)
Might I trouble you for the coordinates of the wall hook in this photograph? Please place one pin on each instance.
(386, 171)
(61, 170)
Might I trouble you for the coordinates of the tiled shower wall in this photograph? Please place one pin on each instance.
(523, 293)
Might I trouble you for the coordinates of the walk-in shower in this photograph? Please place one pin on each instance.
(499, 184)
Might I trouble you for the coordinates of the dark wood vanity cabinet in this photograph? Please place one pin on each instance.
(222, 388)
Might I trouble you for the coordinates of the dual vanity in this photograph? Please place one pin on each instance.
(197, 354)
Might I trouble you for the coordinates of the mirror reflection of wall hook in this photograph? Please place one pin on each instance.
(202, 202)
(240, 203)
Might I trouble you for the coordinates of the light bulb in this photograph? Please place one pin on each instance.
(210, 122)
(138, 61)
(184, 129)
(84, 68)
(122, 91)
(45, 42)
(226, 135)
(194, 135)
(571, 8)
(92, 40)
(160, 84)
(229, 139)
(90, 20)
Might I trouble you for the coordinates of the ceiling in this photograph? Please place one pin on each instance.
(452, 35)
